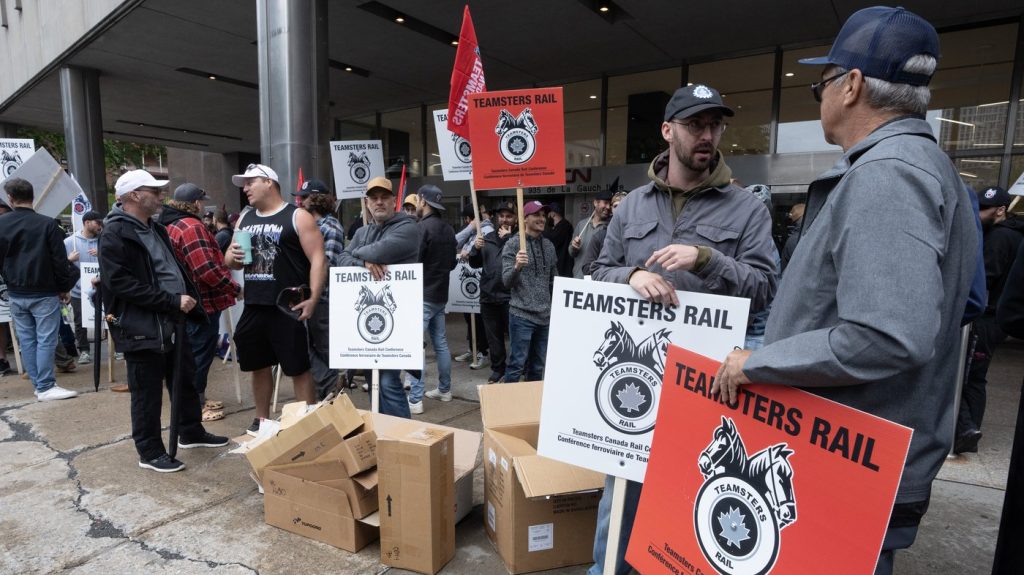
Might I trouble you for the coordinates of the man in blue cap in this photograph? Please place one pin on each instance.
(842, 326)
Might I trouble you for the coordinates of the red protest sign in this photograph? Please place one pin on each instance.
(784, 481)
(518, 138)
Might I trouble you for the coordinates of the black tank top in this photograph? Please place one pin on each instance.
(278, 261)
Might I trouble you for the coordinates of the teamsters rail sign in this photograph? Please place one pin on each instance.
(518, 138)
(365, 315)
(356, 162)
(606, 357)
(783, 481)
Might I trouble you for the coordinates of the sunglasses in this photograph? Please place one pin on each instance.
(819, 87)
(259, 169)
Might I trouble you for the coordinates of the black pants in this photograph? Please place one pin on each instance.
(495, 320)
(902, 531)
(319, 327)
(148, 371)
(481, 338)
(972, 403)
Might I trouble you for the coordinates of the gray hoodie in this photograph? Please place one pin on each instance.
(164, 265)
(868, 311)
(396, 241)
(530, 286)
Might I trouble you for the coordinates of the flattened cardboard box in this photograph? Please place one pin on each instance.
(539, 513)
(416, 497)
(307, 438)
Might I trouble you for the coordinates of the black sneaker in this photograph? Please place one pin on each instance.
(5, 367)
(495, 377)
(162, 464)
(206, 440)
(967, 442)
(254, 428)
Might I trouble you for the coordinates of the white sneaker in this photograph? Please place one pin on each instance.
(119, 356)
(482, 361)
(56, 392)
(416, 408)
(464, 356)
(439, 395)
(84, 358)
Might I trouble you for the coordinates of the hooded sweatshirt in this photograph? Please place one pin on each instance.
(78, 242)
(530, 286)
(163, 260)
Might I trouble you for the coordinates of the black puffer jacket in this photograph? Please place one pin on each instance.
(140, 314)
(437, 254)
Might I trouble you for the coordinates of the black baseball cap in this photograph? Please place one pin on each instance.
(994, 197)
(508, 207)
(312, 186)
(691, 100)
(431, 194)
(189, 192)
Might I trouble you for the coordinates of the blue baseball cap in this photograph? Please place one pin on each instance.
(879, 40)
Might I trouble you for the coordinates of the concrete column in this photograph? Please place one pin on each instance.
(83, 132)
(292, 41)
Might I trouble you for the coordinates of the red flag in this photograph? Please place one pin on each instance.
(298, 186)
(467, 78)
(401, 191)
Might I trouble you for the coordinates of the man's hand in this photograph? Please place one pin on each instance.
(504, 231)
(673, 257)
(376, 270)
(73, 256)
(233, 256)
(187, 303)
(478, 243)
(653, 287)
(730, 376)
(521, 260)
(64, 297)
(576, 242)
(92, 252)
(306, 308)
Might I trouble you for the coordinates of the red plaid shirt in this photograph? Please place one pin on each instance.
(197, 250)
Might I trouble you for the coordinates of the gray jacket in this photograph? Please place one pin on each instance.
(868, 312)
(729, 220)
(396, 241)
(530, 286)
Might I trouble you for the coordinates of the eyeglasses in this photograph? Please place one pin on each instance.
(819, 87)
(696, 127)
(258, 168)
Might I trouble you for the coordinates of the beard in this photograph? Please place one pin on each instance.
(691, 162)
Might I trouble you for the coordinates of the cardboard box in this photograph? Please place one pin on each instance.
(325, 510)
(358, 452)
(467, 447)
(416, 465)
(539, 513)
(308, 437)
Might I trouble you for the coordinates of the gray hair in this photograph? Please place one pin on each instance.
(900, 98)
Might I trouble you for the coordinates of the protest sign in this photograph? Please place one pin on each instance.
(89, 271)
(14, 153)
(79, 206)
(455, 151)
(5, 303)
(606, 357)
(765, 485)
(463, 289)
(518, 138)
(365, 315)
(355, 163)
(54, 188)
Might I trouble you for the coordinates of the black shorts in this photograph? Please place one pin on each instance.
(265, 337)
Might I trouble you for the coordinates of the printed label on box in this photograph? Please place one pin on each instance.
(542, 537)
(492, 457)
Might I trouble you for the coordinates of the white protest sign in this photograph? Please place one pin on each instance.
(79, 206)
(606, 358)
(1017, 189)
(455, 151)
(5, 303)
(376, 324)
(463, 289)
(53, 187)
(355, 163)
(89, 271)
(14, 153)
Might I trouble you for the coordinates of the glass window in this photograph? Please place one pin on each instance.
(979, 173)
(799, 115)
(636, 108)
(582, 106)
(746, 87)
(403, 142)
(361, 128)
(433, 156)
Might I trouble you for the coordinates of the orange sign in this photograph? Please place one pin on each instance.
(518, 138)
(784, 481)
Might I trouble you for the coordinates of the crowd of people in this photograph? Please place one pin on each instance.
(835, 322)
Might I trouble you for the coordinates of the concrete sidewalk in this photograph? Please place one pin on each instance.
(73, 499)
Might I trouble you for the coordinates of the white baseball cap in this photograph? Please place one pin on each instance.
(135, 179)
(254, 171)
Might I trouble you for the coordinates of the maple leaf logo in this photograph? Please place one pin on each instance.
(630, 398)
(376, 324)
(733, 530)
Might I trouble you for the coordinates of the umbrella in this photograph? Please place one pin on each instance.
(176, 382)
(97, 322)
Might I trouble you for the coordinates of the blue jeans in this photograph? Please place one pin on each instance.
(203, 339)
(433, 325)
(604, 510)
(392, 395)
(528, 348)
(37, 321)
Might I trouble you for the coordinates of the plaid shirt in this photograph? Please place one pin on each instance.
(197, 250)
(334, 244)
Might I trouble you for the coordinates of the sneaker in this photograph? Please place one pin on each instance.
(495, 377)
(54, 393)
(162, 464)
(5, 367)
(439, 395)
(416, 408)
(967, 442)
(206, 440)
(254, 428)
(366, 387)
(68, 367)
(84, 358)
(481, 362)
(464, 356)
(119, 356)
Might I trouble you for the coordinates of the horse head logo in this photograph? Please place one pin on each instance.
(618, 346)
(360, 158)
